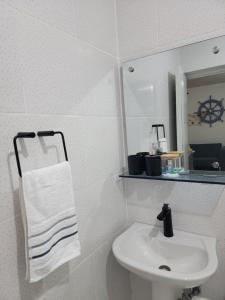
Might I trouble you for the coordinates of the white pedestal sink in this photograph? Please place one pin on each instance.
(184, 261)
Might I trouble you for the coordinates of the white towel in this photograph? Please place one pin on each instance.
(50, 221)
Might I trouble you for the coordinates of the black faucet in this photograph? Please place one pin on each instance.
(166, 217)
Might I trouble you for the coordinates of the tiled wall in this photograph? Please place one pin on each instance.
(145, 27)
(59, 70)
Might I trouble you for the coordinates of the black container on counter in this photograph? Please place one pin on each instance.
(153, 165)
(135, 164)
(143, 154)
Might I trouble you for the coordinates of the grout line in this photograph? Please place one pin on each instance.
(59, 115)
(98, 49)
(93, 184)
(95, 250)
(159, 48)
(116, 116)
(70, 34)
(147, 117)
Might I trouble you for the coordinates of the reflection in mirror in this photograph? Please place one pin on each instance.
(174, 107)
(206, 129)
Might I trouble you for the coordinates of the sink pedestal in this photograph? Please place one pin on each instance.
(161, 291)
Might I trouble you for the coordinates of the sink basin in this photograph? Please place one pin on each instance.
(186, 260)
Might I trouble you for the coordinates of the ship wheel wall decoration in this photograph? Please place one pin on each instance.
(210, 111)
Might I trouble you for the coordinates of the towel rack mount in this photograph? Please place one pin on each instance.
(33, 135)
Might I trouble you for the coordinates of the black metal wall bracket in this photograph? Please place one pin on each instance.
(157, 126)
(52, 133)
(19, 136)
(32, 135)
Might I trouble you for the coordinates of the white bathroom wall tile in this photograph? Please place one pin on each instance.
(99, 277)
(63, 75)
(103, 148)
(189, 198)
(217, 218)
(96, 24)
(141, 289)
(111, 281)
(215, 288)
(9, 283)
(60, 14)
(58, 291)
(200, 199)
(142, 215)
(151, 26)
(11, 89)
(193, 216)
(97, 82)
(181, 20)
(119, 282)
(101, 211)
(148, 193)
(50, 69)
(181, 221)
(137, 27)
(81, 282)
(101, 269)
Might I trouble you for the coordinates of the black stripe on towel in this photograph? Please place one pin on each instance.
(46, 252)
(45, 242)
(57, 222)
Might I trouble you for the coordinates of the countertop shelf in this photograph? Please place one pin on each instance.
(192, 177)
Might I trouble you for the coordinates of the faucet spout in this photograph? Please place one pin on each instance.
(166, 216)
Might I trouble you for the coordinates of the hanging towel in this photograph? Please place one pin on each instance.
(50, 221)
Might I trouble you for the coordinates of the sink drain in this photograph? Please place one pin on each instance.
(164, 267)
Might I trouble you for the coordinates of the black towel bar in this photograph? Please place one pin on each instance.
(51, 133)
(18, 136)
(32, 135)
(157, 127)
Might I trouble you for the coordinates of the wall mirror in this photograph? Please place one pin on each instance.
(181, 94)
